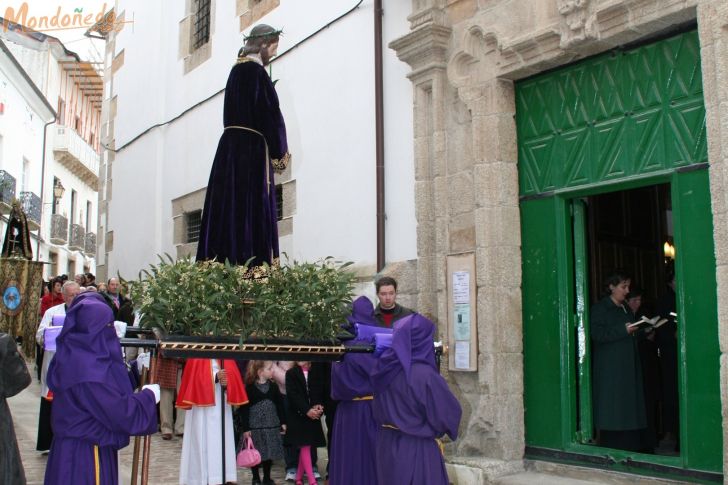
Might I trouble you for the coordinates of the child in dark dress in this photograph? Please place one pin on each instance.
(263, 418)
(304, 413)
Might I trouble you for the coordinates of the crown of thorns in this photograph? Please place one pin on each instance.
(270, 33)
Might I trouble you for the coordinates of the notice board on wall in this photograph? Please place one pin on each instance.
(462, 322)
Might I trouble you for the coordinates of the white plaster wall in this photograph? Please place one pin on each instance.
(21, 127)
(326, 90)
(43, 68)
(401, 234)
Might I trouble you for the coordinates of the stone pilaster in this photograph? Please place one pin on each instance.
(495, 428)
(713, 32)
(424, 49)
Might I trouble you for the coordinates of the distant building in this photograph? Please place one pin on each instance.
(24, 115)
(65, 208)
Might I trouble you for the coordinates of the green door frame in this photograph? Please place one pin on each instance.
(700, 422)
(581, 317)
(619, 120)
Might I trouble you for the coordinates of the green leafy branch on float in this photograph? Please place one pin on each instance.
(300, 300)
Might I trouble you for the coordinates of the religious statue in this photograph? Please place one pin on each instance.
(239, 220)
(17, 237)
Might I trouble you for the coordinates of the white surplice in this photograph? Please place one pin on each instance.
(39, 337)
(201, 462)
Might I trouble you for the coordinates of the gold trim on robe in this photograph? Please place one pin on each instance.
(280, 164)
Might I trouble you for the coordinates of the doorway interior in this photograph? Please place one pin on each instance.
(631, 231)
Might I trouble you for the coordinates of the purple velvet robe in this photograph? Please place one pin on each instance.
(412, 407)
(94, 407)
(239, 220)
(354, 432)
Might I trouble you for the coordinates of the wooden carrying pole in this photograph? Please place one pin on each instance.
(137, 441)
(222, 417)
(148, 438)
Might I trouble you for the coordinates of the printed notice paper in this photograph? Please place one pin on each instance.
(462, 355)
(461, 287)
(462, 321)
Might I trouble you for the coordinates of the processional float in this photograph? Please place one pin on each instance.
(190, 347)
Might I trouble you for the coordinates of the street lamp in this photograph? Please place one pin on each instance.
(58, 190)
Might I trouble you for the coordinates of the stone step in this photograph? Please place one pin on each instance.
(586, 475)
(480, 471)
(537, 478)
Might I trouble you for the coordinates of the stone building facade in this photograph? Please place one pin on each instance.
(465, 58)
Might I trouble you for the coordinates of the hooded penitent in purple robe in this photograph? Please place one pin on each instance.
(239, 219)
(354, 432)
(412, 407)
(94, 407)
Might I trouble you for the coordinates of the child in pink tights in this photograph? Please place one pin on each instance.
(304, 390)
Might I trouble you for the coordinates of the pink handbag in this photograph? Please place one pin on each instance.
(248, 456)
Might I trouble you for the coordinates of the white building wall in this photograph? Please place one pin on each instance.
(41, 63)
(401, 234)
(21, 128)
(326, 90)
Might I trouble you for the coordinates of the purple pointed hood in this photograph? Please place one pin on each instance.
(412, 342)
(362, 312)
(88, 349)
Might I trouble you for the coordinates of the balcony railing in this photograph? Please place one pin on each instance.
(90, 244)
(76, 155)
(31, 205)
(59, 229)
(77, 240)
(7, 191)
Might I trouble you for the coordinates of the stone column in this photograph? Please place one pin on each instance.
(424, 49)
(496, 426)
(467, 201)
(713, 33)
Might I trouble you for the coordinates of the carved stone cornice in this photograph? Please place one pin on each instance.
(578, 22)
(424, 48)
(477, 49)
(481, 50)
(430, 15)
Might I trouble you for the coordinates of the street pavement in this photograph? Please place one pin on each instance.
(165, 455)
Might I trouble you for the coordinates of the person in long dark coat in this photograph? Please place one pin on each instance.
(95, 410)
(305, 408)
(413, 408)
(667, 343)
(239, 220)
(351, 461)
(14, 377)
(618, 393)
(650, 363)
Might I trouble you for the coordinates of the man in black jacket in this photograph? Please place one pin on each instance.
(388, 310)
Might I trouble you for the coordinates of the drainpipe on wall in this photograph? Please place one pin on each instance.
(379, 132)
(42, 182)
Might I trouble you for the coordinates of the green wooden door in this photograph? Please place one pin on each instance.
(584, 424)
(621, 120)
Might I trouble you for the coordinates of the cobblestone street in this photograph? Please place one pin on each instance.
(165, 455)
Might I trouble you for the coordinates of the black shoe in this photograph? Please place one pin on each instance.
(268, 481)
(256, 481)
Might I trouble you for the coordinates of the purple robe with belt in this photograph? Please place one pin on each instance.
(412, 407)
(239, 220)
(94, 407)
(354, 431)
